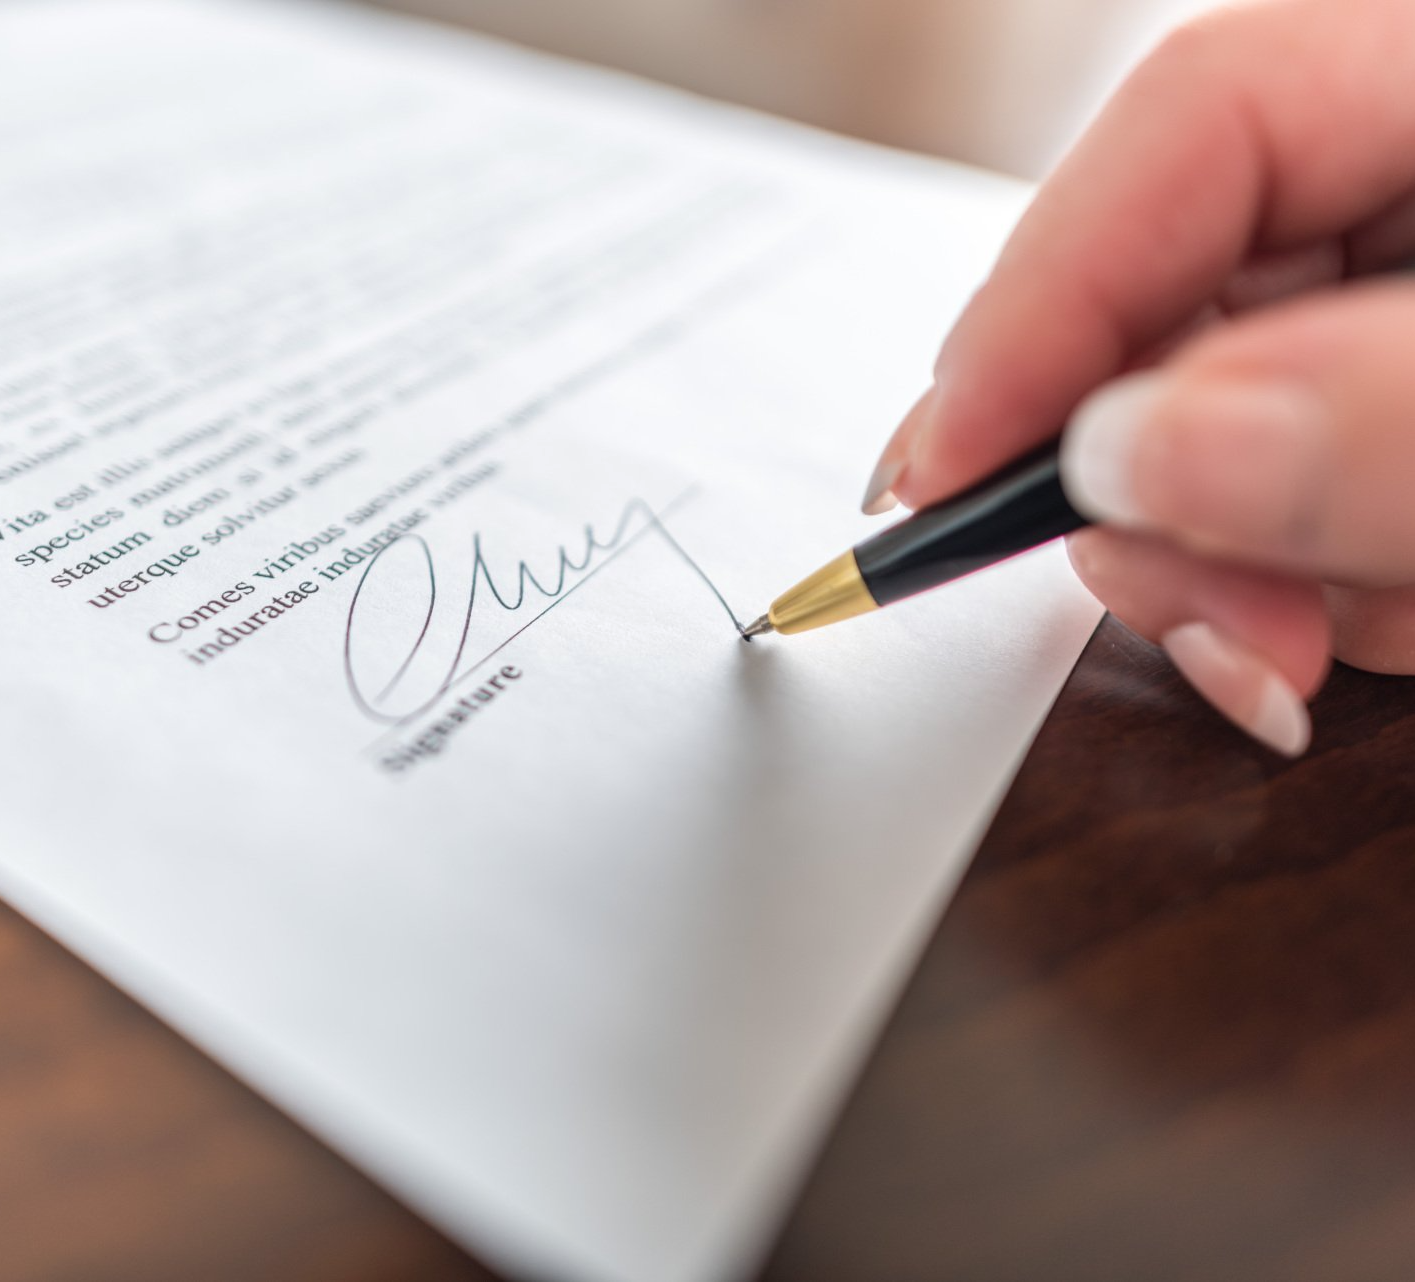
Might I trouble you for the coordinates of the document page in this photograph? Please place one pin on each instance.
(395, 428)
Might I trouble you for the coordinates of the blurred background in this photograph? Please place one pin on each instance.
(1001, 83)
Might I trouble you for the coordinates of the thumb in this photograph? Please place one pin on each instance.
(1285, 439)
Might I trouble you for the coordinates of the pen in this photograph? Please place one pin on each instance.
(1016, 509)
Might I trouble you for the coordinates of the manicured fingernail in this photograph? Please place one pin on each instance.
(879, 493)
(1149, 449)
(1243, 685)
(1098, 451)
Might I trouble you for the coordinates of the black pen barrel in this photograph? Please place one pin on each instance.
(1011, 512)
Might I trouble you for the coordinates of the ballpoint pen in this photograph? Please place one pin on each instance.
(1016, 509)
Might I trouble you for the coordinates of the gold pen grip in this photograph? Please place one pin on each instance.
(831, 595)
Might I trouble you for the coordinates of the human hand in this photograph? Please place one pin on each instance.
(1251, 447)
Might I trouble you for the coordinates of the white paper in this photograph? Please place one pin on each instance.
(582, 973)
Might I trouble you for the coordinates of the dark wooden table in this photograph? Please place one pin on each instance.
(1166, 1031)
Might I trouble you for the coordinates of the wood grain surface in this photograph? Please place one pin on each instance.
(1166, 1031)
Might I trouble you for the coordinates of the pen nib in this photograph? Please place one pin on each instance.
(758, 629)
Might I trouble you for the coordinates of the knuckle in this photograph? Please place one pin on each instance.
(1194, 44)
(1218, 40)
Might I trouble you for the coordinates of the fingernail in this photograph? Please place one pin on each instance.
(1149, 438)
(1243, 685)
(1098, 451)
(879, 493)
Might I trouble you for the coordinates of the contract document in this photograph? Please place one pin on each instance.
(394, 429)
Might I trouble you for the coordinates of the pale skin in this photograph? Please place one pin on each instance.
(1186, 295)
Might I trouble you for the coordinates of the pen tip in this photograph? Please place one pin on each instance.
(760, 628)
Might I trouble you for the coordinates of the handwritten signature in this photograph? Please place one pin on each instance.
(637, 519)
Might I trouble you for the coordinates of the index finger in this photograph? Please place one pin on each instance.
(1258, 129)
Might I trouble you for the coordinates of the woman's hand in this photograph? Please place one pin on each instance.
(1251, 447)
